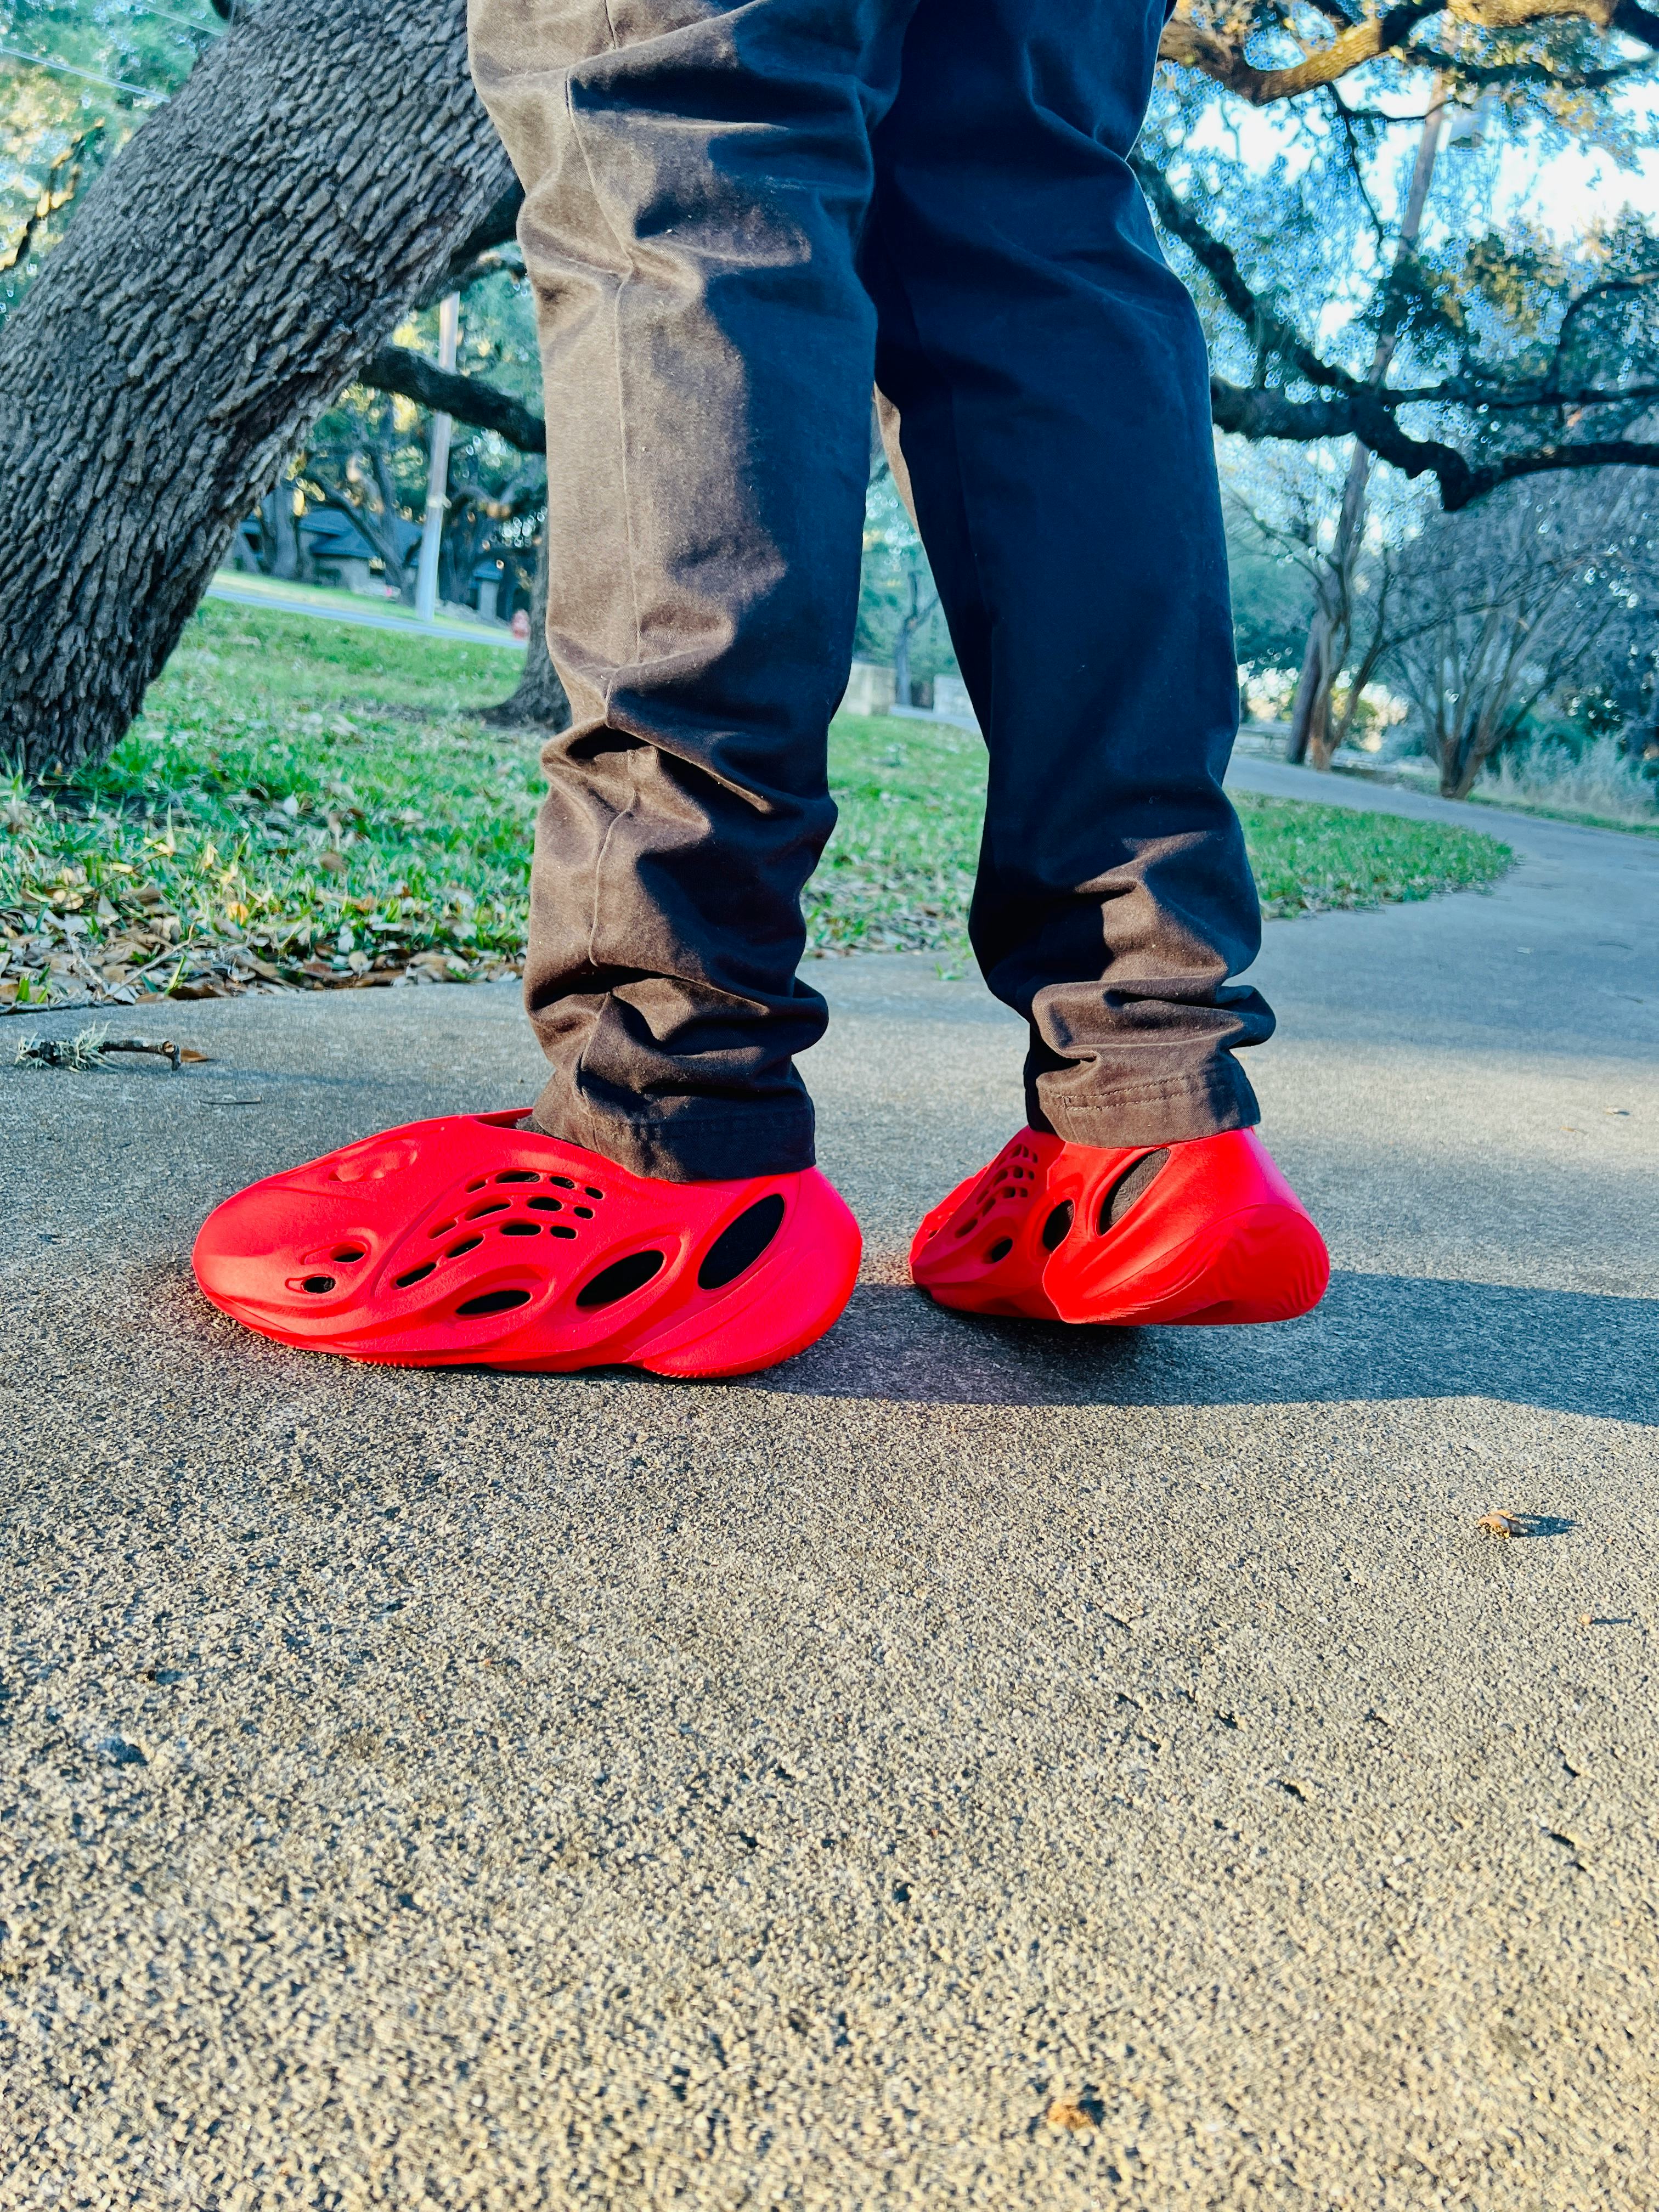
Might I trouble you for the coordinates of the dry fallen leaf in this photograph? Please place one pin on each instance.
(1077, 2114)
(1496, 1524)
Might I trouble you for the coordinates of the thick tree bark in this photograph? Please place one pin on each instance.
(539, 702)
(259, 238)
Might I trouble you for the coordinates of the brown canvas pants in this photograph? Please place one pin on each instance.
(740, 214)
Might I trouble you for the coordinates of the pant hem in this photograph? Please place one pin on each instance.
(1174, 1112)
(711, 1147)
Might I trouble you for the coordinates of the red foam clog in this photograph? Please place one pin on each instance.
(475, 1239)
(1205, 1232)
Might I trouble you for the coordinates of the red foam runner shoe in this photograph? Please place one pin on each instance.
(474, 1239)
(1205, 1232)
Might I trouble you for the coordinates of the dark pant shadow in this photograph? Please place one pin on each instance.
(1374, 1337)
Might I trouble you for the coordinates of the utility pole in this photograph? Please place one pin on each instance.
(437, 476)
(1327, 634)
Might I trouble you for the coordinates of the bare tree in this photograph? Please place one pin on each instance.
(1512, 599)
(920, 601)
(1359, 601)
(1314, 738)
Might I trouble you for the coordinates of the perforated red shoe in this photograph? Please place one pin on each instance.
(1204, 1232)
(475, 1239)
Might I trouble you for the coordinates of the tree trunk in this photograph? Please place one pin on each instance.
(902, 665)
(284, 533)
(539, 702)
(226, 275)
(1329, 636)
(1313, 738)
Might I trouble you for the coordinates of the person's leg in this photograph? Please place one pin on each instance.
(1050, 383)
(1050, 379)
(696, 174)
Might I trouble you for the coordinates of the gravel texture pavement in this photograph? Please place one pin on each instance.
(976, 1765)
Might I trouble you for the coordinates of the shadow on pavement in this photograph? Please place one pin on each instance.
(1375, 1337)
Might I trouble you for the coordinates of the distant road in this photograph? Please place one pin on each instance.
(303, 603)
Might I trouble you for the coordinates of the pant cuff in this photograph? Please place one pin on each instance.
(1173, 1111)
(723, 1144)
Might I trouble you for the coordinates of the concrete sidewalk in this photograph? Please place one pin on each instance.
(468, 1790)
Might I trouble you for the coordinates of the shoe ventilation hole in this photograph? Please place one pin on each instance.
(1000, 1249)
(489, 1205)
(617, 1280)
(518, 1175)
(741, 1243)
(493, 1302)
(545, 1204)
(560, 1230)
(591, 1192)
(1128, 1187)
(521, 1228)
(416, 1274)
(1058, 1227)
(563, 1182)
(583, 1213)
(347, 1253)
(443, 1228)
(478, 1183)
(466, 1244)
(317, 1284)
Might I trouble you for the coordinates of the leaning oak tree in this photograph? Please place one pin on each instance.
(324, 167)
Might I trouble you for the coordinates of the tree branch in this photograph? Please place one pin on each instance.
(1358, 414)
(1220, 263)
(468, 399)
(1216, 55)
(1364, 416)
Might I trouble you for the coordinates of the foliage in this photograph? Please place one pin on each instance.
(1511, 351)
(1573, 780)
(60, 126)
(369, 454)
(1272, 595)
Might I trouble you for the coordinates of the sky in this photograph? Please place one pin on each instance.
(1566, 190)
(1574, 187)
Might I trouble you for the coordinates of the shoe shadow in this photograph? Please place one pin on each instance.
(1374, 1337)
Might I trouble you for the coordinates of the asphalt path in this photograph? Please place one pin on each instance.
(364, 617)
(975, 1765)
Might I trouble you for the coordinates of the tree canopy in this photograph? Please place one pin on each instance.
(1511, 352)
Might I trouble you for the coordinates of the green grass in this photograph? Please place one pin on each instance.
(1581, 817)
(313, 803)
(900, 870)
